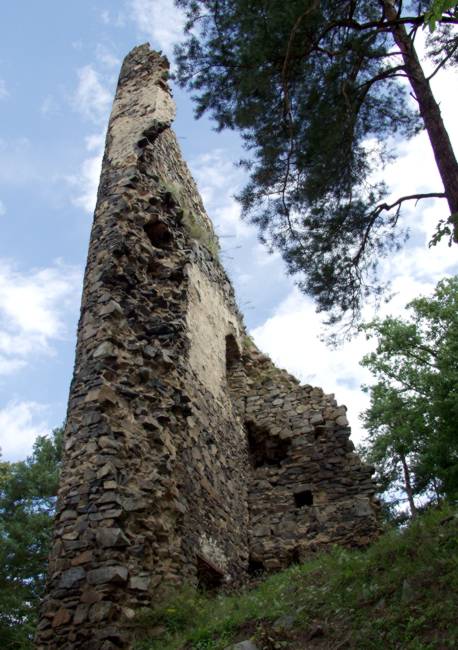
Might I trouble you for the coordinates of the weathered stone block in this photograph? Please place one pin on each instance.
(105, 349)
(62, 617)
(140, 583)
(100, 611)
(107, 537)
(71, 577)
(107, 574)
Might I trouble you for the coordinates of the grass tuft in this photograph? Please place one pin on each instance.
(193, 223)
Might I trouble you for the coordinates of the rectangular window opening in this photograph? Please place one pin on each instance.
(304, 498)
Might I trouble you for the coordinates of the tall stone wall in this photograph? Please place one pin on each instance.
(188, 456)
(307, 487)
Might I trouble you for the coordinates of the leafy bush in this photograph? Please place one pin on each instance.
(27, 499)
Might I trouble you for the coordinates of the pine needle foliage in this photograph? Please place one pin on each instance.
(318, 92)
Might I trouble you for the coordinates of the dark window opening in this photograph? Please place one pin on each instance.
(232, 352)
(294, 556)
(255, 567)
(304, 498)
(209, 576)
(265, 449)
(158, 233)
(319, 431)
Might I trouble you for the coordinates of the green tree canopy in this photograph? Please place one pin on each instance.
(413, 413)
(27, 498)
(317, 90)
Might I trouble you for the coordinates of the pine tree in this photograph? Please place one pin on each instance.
(315, 87)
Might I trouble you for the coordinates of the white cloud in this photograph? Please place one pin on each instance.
(3, 90)
(95, 141)
(18, 165)
(20, 424)
(50, 106)
(106, 57)
(160, 20)
(91, 98)
(109, 18)
(218, 180)
(9, 366)
(263, 257)
(86, 182)
(105, 17)
(33, 306)
(2, 209)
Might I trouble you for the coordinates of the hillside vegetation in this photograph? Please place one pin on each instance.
(402, 592)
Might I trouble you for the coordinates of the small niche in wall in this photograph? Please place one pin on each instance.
(304, 498)
(255, 567)
(232, 352)
(158, 233)
(263, 448)
(209, 576)
(294, 556)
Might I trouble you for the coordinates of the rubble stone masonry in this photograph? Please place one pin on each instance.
(189, 457)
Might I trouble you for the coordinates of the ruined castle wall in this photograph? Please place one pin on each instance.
(308, 488)
(151, 477)
(212, 467)
(183, 448)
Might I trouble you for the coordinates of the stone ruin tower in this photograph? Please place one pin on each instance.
(189, 457)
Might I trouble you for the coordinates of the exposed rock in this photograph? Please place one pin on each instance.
(62, 617)
(140, 583)
(284, 622)
(80, 614)
(100, 611)
(114, 574)
(107, 537)
(70, 577)
(243, 645)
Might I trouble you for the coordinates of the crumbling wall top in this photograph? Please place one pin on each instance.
(143, 105)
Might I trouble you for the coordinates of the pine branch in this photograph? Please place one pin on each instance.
(386, 207)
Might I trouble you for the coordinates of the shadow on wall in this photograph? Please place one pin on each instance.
(263, 448)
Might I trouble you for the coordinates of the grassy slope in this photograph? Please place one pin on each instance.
(400, 593)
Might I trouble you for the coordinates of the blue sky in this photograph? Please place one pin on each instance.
(59, 63)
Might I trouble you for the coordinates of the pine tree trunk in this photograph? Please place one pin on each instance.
(430, 112)
(408, 486)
